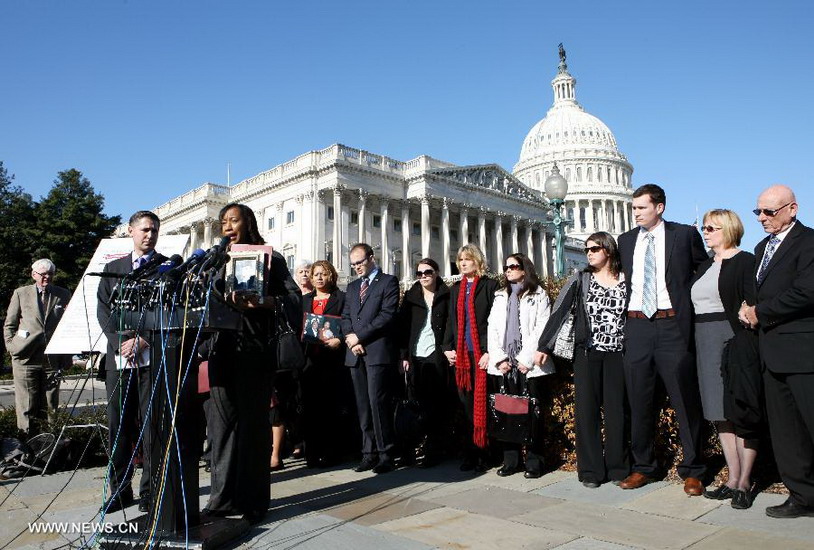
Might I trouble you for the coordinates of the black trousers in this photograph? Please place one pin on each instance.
(239, 431)
(790, 408)
(431, 383)
(534, 452)
(128, 391)
(371, 385)
(599, 381)
(467, 399)
(656, 348)
(322, 387)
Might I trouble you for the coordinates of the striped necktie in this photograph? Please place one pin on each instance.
(363, 289)
(767, 257)
(649, 289)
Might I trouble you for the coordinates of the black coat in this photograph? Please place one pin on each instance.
(484, 298)
(413, 315)
(736, 284)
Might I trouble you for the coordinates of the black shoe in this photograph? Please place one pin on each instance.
(790, 509)
(723, 492)
(741, 500)
(482, 465)
(505, 471)
(206, 512)
(254, 517)
(366, 464)
(590, 484)
(118, 502)
(384, 466)
(468, 464)
(532, 474)
(426, 461)
(144, 502)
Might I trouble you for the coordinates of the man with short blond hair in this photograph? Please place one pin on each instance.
(33, 315)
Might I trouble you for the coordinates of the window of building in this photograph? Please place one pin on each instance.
(397, 225)
(271, 223)
(377, 221)
(290, 261)
(435, 232)
(289, 217)
(354, 217)
(330, 212)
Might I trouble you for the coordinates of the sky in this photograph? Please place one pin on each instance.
(150, 99)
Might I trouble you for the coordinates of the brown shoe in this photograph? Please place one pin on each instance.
(635, 480)
(693, 487)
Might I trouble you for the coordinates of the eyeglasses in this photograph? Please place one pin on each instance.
(46, 274)
(593, 249)
(360, 262)
(513, 267)
(768, 211)
(709, 228)
(425, 273)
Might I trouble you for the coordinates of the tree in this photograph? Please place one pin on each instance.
(70, 224)
(16, 233)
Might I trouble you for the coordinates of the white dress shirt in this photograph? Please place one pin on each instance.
(637, 277)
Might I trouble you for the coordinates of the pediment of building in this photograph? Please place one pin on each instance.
(490, 177)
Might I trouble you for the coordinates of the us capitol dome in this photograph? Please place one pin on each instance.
(586, 154)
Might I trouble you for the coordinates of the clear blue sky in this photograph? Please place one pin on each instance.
(712, 100)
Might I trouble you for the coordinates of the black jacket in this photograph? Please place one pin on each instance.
(736, 284)
(484, 298)
(575, 288)
(319, 354)
(413, 315)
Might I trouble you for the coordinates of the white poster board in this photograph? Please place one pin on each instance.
(79, 330)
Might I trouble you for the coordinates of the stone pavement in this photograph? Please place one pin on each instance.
(439, 508)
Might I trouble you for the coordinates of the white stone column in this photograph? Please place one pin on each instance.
(482, 231)
(545, 248)
(445, 270)
(406, 229)
(384, 259)
(514, 237)
(338, 250)
(463, 230)
(362, 237)
(530, 240)
(207, 236)
(590, 223)
(617, 217)
(300, 217)
(193, 235)
(425, 226)
(499, 257)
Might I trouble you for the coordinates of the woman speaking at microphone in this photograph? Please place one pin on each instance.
(241, 367)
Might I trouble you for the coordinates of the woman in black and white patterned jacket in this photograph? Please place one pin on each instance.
(599, 378)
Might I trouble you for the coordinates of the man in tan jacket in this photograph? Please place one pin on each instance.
(33, 315)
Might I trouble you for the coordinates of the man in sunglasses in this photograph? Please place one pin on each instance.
(784, 317)
(659, 259)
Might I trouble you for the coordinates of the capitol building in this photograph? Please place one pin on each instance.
(320, 203)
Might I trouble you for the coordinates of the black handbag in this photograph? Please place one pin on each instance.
(289, 352)
(513, 418)
(408, 418)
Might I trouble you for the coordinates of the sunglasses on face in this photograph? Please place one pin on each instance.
(425, 273)
(768, 211)
(709, 228)
(593, 249)
(513, 267)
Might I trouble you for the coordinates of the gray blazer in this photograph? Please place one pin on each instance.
(24, 316)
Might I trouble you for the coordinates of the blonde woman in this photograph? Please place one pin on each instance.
(465, 346)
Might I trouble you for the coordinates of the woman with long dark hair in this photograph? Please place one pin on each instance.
(599, 379)
(422, 320)
(517, 319)
(465, 346)
(241, 366)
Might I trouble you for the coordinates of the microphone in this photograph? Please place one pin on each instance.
(174, 261)
(178, 271)
(215, 255)
(148, 266)
(105, 274)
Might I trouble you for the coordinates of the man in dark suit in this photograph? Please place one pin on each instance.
(128, 365)
(368, 320)
(784, 315)
(33, 315)
(659, 258)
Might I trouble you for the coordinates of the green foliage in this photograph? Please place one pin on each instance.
(17, 221)
(70, 224)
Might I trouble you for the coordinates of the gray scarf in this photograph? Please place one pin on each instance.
(513, 339)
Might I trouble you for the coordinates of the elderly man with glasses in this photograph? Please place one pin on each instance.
(33, 315)
(784, 317)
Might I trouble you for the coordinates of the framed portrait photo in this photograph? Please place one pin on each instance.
(318, 329)
(246, 272)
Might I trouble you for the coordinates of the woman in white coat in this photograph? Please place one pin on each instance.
(519, 314)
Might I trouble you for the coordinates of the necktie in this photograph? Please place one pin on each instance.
(767, 257)
(649, 289)
(41, 302)
(139, 262)
(363, 290)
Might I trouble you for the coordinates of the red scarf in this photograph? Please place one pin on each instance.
(462, 366)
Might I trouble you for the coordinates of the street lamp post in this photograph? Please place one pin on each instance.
(556, 187)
